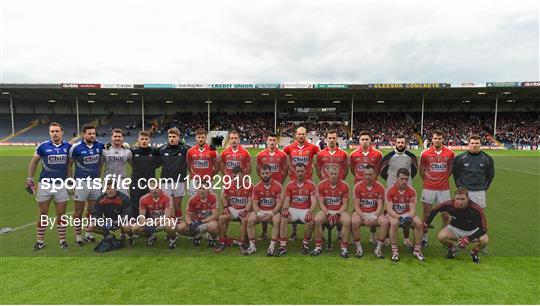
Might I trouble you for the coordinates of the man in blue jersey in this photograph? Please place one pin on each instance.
(53, 155)
(86, 155)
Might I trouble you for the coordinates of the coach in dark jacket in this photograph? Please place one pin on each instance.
(474, 170)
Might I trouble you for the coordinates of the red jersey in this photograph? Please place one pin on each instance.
(277, 162)
(201, 162)
(202, 209)
(358, 160)
(333, 196)
(301, 154)
(267, 196)
(438, 168)
(238, 197)
(231, 158)
(300, 193)
(401, 199)
(326, 158)
(155, 208)
(369, 196)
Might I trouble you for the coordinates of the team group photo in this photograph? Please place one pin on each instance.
(271, 152)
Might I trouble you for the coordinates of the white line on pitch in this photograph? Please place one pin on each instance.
(518, 171)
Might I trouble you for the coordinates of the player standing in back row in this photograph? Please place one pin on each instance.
(116, 156)
(203, 161)
(435, 169)
(53, 155)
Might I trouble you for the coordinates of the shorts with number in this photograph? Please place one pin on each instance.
(86, 192)
(298, 214)
(59, 194)
(478, 197)
(174, 189)
(235, 213)
(435, 196)
(459, 232)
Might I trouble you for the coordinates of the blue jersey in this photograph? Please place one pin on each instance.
(86, 159)
(53, 159)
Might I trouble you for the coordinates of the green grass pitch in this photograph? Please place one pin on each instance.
(509, 274)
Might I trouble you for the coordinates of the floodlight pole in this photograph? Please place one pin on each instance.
(142, 112)
(208, 112)
(275, 114)
(352, 115)
(12, 115)
(495, 121)
(77, 114)
(422, 118)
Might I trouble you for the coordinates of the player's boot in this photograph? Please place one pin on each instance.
(373, 240)
(131, 241)
(250, 250)
(64, 245)
(270, 252)
(305, 249)
(220, 248)
(89, 239)
(475, 258)
(38, 246)
(425, 243)
(344, 253)
(281, 251)
(79, 243)
(419, 255)
(315, 252)
(395, 256)
(378, 254)
(359, 253)
(172, 243)
(151, 240)
(212, 242)
(196, 241)
(451, 252)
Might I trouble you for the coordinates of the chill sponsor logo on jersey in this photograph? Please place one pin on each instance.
(438, 167)
(300, 199)
(230, 164)
(273, 167)
(203, 214)
(269, 202)
(157, 213)
(369, 203)
(360, 167)
(400, 207)
(56, 159)
(201, 164)
(300, 160)
(332, 201)
(92, 159)
(239, 201)
(117, 159)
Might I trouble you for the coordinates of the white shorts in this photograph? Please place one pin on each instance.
(201, 229)
(86, 193)
(59, 194)
(175, 189)
(298, 214)
(435, 196)
(478, 197)
(370, 216)
(459, 232)
(235, 213)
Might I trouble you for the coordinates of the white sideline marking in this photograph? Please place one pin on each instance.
(518, 171)
(28, 225)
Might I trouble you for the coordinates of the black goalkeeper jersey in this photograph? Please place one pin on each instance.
(467, 219)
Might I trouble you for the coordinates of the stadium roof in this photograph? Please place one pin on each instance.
(271, 92)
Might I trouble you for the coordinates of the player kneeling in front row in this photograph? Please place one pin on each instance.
(368, 208)
(111, 208)
(401, 209)
(468, 224)
(156, 213)
(267, 198)
(201, 217)
(236, 199)
(298, 205)
(333, 202)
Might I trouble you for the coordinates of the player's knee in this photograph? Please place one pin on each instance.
(484, 239)
(442, 236)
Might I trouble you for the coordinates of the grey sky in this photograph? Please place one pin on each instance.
(268, 41)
